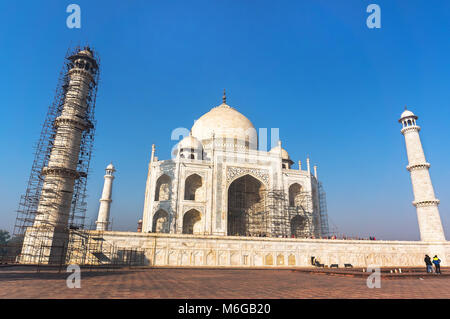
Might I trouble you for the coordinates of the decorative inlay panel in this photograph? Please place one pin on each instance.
(234, 172)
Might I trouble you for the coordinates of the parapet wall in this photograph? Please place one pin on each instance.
(218, 251)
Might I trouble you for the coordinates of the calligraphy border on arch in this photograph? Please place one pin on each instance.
(234, 172)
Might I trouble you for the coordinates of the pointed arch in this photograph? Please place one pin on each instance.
(268, 260)
(291, 260)
(192, 222)
(247, 214)
(160, 222)
(193, 187)
(295, 194)
(163, 188)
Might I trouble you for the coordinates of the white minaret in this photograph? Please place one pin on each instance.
(105, 201)
(426, 204)
(44, 242)
(60, 173)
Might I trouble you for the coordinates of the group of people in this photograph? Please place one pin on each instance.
(437, 264)
(347, 237)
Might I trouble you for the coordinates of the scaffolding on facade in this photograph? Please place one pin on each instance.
(256, 212)
(56, 144)
(84, 247)
(290, 219)
(90, 248)
(325, 230)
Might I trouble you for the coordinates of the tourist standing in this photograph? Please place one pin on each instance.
(428, 263)
(437, 264)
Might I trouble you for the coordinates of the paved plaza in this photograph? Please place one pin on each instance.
(22, 282)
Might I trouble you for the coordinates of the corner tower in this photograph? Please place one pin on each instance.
(426, 204)
(105, 201)
(55, 198)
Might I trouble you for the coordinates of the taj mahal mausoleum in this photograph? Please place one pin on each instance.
(219, 201)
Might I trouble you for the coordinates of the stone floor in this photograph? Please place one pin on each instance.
(16, 282)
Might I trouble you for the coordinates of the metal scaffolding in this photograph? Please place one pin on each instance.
(256, 212)
(75, 96)
(91, 249)
(289, 219)
(325, 230)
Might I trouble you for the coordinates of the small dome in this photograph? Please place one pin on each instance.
(224, 122)
(110, 167)
(407, 113)
(191, 142)
(284, 153)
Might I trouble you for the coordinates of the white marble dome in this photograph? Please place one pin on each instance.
(284, 153)
(407, 113)
(225, 122)
(191, 142)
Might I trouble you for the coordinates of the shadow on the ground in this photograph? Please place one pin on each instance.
(54, 274)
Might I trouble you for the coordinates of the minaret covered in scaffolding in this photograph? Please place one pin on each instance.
(55, 198)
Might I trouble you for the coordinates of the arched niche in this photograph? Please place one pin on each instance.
(192, 222)
(295, 191)
(163, 189)
(161, 222)
(193, 188)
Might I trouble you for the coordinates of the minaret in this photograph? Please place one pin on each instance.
(426, 204)
(105, 201)
(44, 242)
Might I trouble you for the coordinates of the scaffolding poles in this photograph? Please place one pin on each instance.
(325, 231)
(247, 213)
(89, 248)
(290, 219)
(55, 197)
(256, 212)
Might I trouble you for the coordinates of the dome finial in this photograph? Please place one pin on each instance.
(406, 107)
(224, 97)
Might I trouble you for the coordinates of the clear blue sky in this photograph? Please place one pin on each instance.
(311, 68)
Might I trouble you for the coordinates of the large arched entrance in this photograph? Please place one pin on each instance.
(192, 222)
(247, 214)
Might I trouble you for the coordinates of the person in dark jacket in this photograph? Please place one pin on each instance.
(437, 264)
(428, 263)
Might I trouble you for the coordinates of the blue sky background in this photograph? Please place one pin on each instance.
(311, 68)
